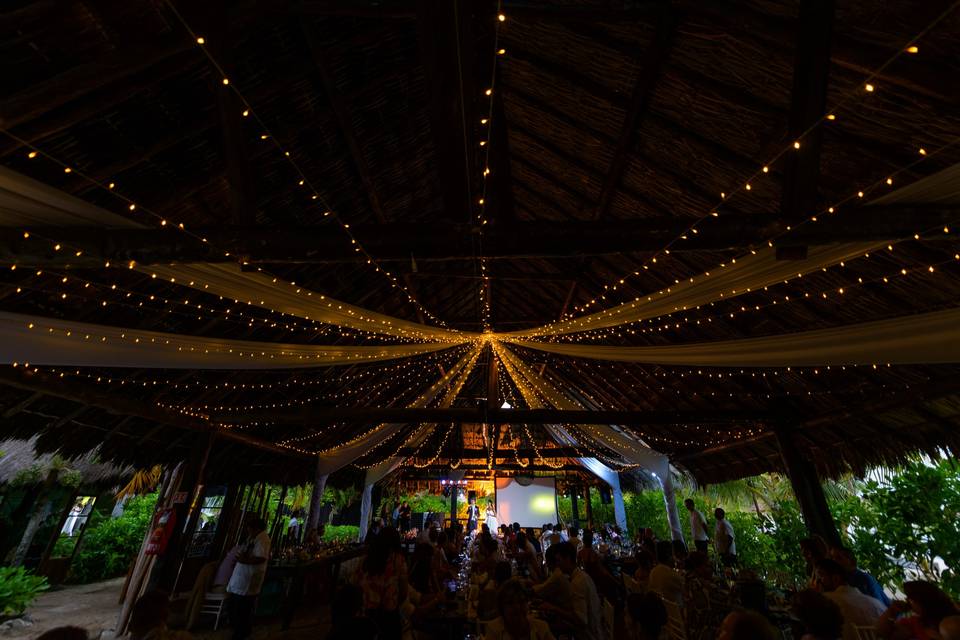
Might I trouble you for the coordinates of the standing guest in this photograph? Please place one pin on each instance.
(928, 605)
(698, 526)
(820, 617)
(857, 609)
(515, 621)
(545, 532)
(383, 579)
(586, 602)
(404, 514)
(473, 516)
(858, 578)
(562, 530)
(247, 578)
(724, 541)
(293, 529)
(664, 579)
(395, 516)
(648, 616)
(705, 602)
(746, 625)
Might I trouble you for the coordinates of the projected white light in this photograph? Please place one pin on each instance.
(527, 501)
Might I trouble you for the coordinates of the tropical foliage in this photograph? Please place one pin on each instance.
(342, 533)
(111, 543)
(18, 588)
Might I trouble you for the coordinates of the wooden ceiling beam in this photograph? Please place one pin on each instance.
(126, 405)
(651, 61)
(444, 242)
(486, 415)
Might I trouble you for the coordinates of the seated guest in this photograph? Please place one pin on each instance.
(928, 606)
(573, 537)
(648, 616)
(705, 602)
(422, 576)
(515, 621)
(586, 602)
(487, 603)
(813, 549)
(641, 576)
(383, 579)
(562, 530)
(857, 609)
(664, 579)
(819, 616)
(592, 563)
(526, 556)
(950, 628)
(858, 578)
(346, 616)
(532, 539)
(746, 625)
(555, 591)
(679, 554)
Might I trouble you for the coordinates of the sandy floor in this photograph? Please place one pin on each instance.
(94, 607)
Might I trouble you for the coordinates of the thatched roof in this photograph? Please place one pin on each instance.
(631, 114)
(19, 461)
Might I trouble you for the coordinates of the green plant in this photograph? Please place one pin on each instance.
(111, 543)
(343, 533)
(18, 588)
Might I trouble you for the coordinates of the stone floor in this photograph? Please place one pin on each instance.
(94, 607)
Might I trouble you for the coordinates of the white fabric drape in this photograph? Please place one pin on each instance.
(338, 457)
(629, 448)
(926, 338)
(27, 203)
(47, 341)
(378, 472)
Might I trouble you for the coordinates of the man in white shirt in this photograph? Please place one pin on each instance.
(698, 526)
(664, 579)
(724, 540)
(586, 602)
(247, 578)
(857, 608)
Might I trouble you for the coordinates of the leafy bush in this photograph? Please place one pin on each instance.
(111, 543)
(342, 533)
(18, 588)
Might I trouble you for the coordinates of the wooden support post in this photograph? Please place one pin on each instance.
(316, 497)
(806, 487)
(586, 495)
(453, 504)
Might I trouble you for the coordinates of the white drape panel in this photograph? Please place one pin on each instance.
(378, 472)
(338, 457)
(25, 202)
(630, 449)
(46, 341)
(926, 338)
(261, 290)
(746, 274)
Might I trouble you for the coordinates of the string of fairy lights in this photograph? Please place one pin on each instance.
(301, 179)
(830, 116)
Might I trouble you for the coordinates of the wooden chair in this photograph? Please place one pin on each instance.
(676, 625)
(865, 632)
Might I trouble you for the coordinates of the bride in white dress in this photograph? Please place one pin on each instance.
(491, 521)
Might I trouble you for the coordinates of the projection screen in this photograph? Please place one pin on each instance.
(531, 502)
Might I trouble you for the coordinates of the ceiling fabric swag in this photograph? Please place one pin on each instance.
(340, 456)
(47, 341)
(753, 272)
(532, 384)
(735, 278)
(26, 203)
(229, 281)
(926, 338)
